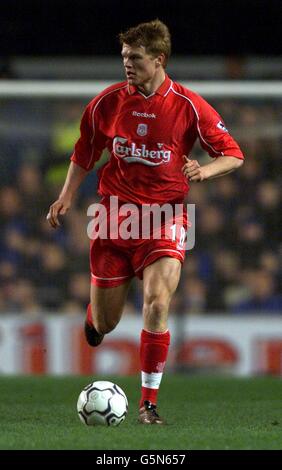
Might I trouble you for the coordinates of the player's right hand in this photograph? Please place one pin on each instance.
(59, 207)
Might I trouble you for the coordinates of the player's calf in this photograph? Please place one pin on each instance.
(93, 337)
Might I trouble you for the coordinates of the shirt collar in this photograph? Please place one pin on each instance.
(162, 90)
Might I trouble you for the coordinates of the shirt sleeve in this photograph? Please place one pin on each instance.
(91, 142)
(213, 135)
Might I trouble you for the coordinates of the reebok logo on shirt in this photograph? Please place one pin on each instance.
(144, 115)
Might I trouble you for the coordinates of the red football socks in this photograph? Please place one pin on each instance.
(153, 355)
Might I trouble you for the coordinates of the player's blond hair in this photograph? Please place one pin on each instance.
(153, 35)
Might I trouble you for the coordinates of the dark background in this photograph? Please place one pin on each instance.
(83, 27)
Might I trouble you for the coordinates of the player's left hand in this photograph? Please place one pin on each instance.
(192, 170)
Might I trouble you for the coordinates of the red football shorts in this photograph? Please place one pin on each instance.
(114, 259)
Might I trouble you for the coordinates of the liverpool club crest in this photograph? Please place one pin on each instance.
(142, 129)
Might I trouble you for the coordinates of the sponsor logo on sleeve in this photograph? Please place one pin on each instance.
(221, 126)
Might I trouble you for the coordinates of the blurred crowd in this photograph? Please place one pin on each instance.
(235, 266)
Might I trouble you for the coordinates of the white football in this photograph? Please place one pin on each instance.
(102, 402)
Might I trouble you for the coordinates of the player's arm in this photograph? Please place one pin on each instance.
(218, 167)
(75, 176)
(87, 151)
(216, 141)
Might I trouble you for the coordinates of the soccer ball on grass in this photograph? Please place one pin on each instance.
(102, 402)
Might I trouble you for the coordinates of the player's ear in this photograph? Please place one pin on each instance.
(160, 60)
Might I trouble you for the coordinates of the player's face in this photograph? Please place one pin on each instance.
(140, 67)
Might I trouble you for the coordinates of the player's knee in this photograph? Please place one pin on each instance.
(111, 324)
(104, 327)
(155, 310)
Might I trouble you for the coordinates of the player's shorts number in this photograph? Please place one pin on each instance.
(182, 237)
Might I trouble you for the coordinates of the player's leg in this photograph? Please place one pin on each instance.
(111, 273)
(160, 282)
(104, 311)
(107, 306)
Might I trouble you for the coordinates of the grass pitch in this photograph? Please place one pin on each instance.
(202, 413)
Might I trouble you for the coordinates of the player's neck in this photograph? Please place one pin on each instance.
(151, 86)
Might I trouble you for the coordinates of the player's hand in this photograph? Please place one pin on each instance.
(59, 207)
(192, 170)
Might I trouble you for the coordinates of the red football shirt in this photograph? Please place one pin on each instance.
(147, 137)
